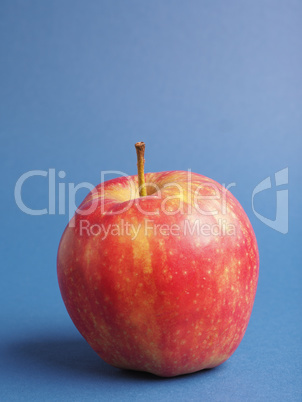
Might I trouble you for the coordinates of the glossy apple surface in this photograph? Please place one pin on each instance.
(163, 283)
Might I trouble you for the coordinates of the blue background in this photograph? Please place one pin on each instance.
(214, 86)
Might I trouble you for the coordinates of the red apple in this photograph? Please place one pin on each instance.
(163, 283)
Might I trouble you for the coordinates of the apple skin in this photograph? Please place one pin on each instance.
(165, 304)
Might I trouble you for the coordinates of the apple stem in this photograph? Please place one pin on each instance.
(140, 152)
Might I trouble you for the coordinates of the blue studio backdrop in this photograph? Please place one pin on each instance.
(211, 86)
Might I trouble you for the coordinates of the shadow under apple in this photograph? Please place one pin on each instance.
(73, 356)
